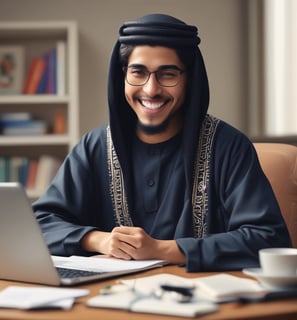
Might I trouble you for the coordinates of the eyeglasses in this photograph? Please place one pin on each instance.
(167, 76)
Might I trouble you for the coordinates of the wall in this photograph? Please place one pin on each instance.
(222, 26)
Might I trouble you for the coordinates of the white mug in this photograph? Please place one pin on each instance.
(278, 261)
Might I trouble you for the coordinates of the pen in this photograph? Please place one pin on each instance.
(176, 293)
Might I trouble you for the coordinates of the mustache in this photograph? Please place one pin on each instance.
(155, 97)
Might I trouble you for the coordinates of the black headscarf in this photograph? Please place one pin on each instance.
(164, 30)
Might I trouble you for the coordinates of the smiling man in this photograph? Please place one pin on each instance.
(164, 179)
(156, 96)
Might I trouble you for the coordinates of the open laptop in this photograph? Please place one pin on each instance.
(23, 252)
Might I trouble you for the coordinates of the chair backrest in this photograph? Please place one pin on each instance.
(279, 163)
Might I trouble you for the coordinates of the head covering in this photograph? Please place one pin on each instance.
(164, 30)
(159, 29)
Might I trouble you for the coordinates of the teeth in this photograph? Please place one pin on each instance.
(151, 105)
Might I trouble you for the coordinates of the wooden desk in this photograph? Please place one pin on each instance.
(272, 310)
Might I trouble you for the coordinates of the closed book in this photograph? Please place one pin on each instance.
(31, 127)
(61, 68)
(34, 76)
(217, 288)
(15, 116)
(32, 172)
(46, 170)
(2, 170)
(15, 165)
(51, 60)
(42, 83)
(59, 123)
(23, 171)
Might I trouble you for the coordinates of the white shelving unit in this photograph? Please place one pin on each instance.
(36, 38)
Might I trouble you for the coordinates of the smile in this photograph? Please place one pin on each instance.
(152, 105)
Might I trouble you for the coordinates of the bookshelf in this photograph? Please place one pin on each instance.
(36, 38)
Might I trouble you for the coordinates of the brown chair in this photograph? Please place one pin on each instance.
(279, 163)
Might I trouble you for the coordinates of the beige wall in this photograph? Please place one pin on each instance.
(222, 26)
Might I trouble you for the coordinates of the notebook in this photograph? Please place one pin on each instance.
(25, 256)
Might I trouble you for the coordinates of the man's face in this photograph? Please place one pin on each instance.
(153, 103)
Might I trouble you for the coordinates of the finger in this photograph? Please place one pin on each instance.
(128, 249)
(124, 230)
(120, 254)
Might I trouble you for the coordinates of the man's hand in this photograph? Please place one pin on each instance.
(132, 243)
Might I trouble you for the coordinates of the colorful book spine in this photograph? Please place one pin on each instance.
(51, 84)
(34, 76)
(34, 174)
(31, 176)
(42, 83)
(61, 68)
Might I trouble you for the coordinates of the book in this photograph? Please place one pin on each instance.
(61, 68)
(14, 168)
(218, 288)
(140, 295)
(3, 169)
(29, 127)
(51, 83)
(132, 302)
(32, 173)
(42, 83)
(59, 123)
(23, 171)
(15, 116)
(34, 75)
(46, 170)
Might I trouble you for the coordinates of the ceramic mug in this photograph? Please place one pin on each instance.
(278, 261)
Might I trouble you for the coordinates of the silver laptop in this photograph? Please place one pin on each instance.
(23, 252)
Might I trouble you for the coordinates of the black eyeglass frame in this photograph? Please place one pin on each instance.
(181, 71)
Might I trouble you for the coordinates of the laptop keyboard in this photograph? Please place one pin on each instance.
(72, 273)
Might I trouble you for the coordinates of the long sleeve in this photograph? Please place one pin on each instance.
(243, 214)
(74, 202)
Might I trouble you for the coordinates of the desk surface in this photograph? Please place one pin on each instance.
(281, 309)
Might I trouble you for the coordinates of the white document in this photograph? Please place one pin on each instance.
(216, 288)
(102, 263)
(224, 286)
(39, 297)
(149, 304)
(139, 296)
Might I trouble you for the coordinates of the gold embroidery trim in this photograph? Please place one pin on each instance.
(201, 175)
(117, 189)
(201, 179)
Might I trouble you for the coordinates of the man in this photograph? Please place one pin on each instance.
(164, 179)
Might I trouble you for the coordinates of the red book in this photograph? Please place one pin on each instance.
(32, 172)
(60, 123)
(34, 76)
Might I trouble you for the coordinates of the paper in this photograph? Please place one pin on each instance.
(148, 285)
(217, 288)
(105, 264)
(149, 304)
(140, 296)
(39, 297)
(223, 286)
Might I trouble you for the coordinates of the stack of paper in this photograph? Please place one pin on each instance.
(149, 304)
(39, 297)
(140, 294)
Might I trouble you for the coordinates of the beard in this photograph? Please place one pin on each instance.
(153, 129)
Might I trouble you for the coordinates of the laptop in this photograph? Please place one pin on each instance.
(24, 253)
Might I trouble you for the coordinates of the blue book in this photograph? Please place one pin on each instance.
(51, 84)
(42, 84)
